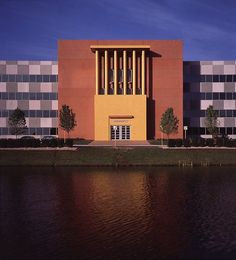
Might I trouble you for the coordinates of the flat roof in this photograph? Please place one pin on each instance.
(105, 47)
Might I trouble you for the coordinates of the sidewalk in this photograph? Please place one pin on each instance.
(119, 143)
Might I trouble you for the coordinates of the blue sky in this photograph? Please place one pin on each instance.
(30, 28)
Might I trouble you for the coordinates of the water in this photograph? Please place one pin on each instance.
(71, 213)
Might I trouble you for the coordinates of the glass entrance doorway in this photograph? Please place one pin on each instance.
(120, 132)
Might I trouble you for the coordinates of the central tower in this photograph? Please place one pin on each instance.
(120, 99)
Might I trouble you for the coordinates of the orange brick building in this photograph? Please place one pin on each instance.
(119, 89)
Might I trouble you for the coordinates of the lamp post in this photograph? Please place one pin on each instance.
(185, 131)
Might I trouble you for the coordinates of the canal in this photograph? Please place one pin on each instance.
(124, 213)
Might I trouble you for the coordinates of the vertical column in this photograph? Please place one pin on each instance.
(106, 72)
(115, 72)
(124, 71)
(134, 73)
(143, 72)
(97, 72)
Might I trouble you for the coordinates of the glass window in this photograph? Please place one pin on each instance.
(53, 131)
(234, 113)
(229, 96)
(222, 78)
(120, 75)
(12, 95)
(19, 95)
(45, 113)
(4, 78)
(229, 113)
(46, 78)
(0, 78)
(234, 130)
(46, 131)
(202, 78)
(53, 96)
(39, 113)
(39, 96)
(53, 113)
(216, 96)
(215, 78)
(32, 113)
(32, 96)
(4, 95)
(32, 78)
(229, 78)
(25, 96)
(25, 78)
(19, 78)
(234, 78)
(26, 112)
(12, 78)
(53, 78)
(209, 95)
(5, 113)
(5, 131)
(39, 78)
(202, 96)
(234, 95)
(208, 78)
(229, 130)
(39, 131)
(45, 96)
(129, 75)
(222, 96)
(222, 113)
(32, 131)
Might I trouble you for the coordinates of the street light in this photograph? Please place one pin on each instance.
(185, 131)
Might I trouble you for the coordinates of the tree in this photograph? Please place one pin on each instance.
(211, 121)
(67, 119)
(17, 122)
(169, 122)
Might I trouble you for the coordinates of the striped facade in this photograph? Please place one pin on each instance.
(210, 83)
(32, 87)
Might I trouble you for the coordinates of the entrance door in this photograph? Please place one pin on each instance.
(120, 132)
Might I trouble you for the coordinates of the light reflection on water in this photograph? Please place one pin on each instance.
(65, 213)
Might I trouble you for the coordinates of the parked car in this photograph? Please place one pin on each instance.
(48, 137)
(28, 137)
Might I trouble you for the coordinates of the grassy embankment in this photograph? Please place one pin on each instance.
(105, 156)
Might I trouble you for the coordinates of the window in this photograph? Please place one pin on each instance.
(25, 78)
(39, 113)
(215, 78)
(209, 95)
(216, 96)
(12, 95)
(222, 96)
(39, 78)
(45, 96)
(222, 78)
(25, 96)
(229, 96)
(229, 113)
(12, 78)
(229, 78)
(208, 78)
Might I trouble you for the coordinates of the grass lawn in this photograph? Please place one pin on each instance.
(108, 156)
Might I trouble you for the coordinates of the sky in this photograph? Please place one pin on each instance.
(29, 29)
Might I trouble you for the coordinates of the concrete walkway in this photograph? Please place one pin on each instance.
(119, 143)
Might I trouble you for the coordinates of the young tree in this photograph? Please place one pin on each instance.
(67, 119)
(169, 122)
(211, 121)
(17, 122)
